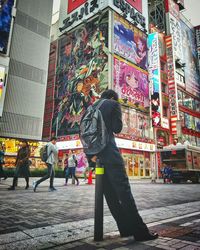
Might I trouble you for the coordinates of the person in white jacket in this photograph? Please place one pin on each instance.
(52, 152)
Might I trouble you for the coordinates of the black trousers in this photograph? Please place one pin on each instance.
(21, 171)
(121, 203)
(50, 174)
(2, 173)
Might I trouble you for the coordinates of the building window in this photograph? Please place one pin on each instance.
(165, 111)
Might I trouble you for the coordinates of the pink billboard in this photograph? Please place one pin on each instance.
(131, 84)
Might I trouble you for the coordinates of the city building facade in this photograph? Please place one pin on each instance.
(24, 53)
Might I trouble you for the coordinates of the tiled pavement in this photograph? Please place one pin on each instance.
(55, 221)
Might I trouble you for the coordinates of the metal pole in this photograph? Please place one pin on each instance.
(98, 213)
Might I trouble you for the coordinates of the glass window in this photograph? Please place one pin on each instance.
(180, 97)
(165, 113)
(187, 101)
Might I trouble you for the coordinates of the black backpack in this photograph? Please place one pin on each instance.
(93, 132)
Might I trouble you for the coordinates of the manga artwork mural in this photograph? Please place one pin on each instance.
(82, 74)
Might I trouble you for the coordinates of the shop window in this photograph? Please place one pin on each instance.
(165, 111)
(162, 66)
(164, 88)
(187, 101)
(180, 97)
(197, 105)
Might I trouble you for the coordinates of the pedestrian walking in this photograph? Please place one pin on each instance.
(66, 169)
(52, 155)
(22, 165)
(72, 163)
(116, 186)
(2, 154)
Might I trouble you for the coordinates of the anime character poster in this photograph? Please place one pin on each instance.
(130, 42)
(154, 78)
(131, 84)
(82, 74)
(190, 59)
(5, 23)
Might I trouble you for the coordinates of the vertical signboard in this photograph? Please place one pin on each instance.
(190, 59)
(5, 24)
(2, 88)
(173, 100)
(154, 78)
(197, 34)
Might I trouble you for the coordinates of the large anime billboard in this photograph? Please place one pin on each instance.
(131, 84)
(190, 59)
(130, 42)
(5, 23)
(82, 74)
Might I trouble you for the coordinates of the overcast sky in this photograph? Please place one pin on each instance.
(192, 11)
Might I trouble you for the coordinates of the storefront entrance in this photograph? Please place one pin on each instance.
(137, 163)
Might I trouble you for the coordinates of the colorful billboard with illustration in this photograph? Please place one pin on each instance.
(190, 59)
(5, 23)
(130, 42)
(82, 74)
(154, 78)
(131, 84)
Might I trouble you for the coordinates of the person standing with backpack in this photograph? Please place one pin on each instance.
(51, 155)
(116, 187)
(72, 163)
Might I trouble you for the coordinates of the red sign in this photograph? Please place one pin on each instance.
(137, 4)
(74, 4)
(172, 8)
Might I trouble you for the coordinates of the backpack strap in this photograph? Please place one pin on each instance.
(98, 105)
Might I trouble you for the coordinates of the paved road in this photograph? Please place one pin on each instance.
(32, 217)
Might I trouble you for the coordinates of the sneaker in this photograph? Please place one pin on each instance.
(27, 187)
(52, 189)
(11, 188)
(65, 184)
(34, 186)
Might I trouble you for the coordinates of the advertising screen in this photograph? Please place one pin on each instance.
(5, 23)
(154, 78)
(82, 74)
(131, 84)
(190, 59)
(130, 42)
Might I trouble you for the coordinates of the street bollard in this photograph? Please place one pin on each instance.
(98, 213)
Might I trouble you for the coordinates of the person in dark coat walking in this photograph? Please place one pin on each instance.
(117, 189)
(22, 165)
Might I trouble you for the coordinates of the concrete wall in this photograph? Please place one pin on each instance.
(28, 69)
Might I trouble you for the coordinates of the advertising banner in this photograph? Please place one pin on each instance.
(82, 74)
(197, 34)
(154, 78)
(190, 59)
(131, 84)
(130, 42)
(174, 28)
(5, 24)
(173, 100)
